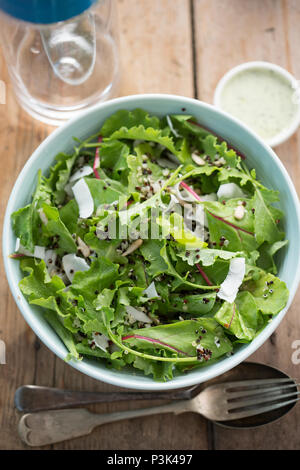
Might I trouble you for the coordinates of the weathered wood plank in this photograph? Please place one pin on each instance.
(156, 54)
(19, 135)
(155, 45)
(228, 33)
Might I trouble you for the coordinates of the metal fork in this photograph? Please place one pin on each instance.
(219, 402)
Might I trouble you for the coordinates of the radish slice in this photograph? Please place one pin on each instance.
(83, 198)
(151, 291)
(230, 286)
(97, 160)
(101, 341)
(84, 171)
(138, 315)
(72, 264)
(230, 191)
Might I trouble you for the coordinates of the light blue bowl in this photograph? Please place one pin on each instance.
(268, 167)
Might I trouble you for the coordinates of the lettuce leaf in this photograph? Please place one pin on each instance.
(206, 256)
(192, 304)
(269, 292)
(182, 338)
(60, 174)
(56, 228)
(101, 275)
(129, 119)
(65, 335)
(113, 157)
(265, 226)
(38, 284)
(267, 252)
(26, 221)
(223, 226)
(241, 318)
(149, 134)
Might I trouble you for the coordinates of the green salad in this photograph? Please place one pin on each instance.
(151, 246)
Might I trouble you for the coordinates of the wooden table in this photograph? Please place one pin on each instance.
(169, 46)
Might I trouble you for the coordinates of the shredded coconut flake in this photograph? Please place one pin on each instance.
(83, 198)
(230, 286)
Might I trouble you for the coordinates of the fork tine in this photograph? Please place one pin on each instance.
(259, 391)
(251, 383)
(257, 411)
(257, 401)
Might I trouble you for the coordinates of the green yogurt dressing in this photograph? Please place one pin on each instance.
(262, 99)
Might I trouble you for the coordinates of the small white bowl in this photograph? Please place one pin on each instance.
(286, 133)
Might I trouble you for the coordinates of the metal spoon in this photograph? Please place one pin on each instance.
(30, 398)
